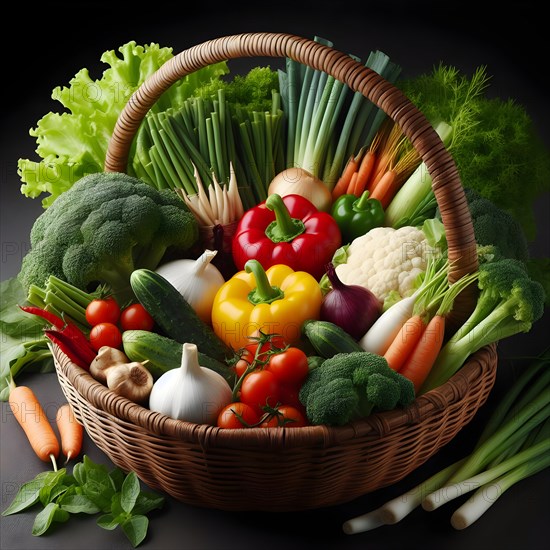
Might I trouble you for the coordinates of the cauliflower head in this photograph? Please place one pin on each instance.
(385, 260)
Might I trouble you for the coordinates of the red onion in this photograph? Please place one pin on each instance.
(352, 307)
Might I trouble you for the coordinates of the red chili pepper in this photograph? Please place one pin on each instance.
(52, 319)
(67, 336)
(70, 348)
(288, 230)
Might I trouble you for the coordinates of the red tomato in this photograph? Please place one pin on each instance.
(136, 317)
(240, 367)
(105, 334)
(260, 388)
(229, 416)
(288, 417)
(104, 310)
(275, 342)
(289, 366)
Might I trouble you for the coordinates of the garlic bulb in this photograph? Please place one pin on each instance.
(106, 358)
(130, 380)
(191, 392)
(196, 280)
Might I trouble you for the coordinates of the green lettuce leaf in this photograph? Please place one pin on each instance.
(74, 143)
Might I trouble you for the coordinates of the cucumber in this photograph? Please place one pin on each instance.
(163, 354)
(328, 339)
(174, 315)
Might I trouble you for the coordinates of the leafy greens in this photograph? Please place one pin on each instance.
(74, 143)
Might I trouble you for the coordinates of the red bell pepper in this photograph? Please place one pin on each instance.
(288, 230)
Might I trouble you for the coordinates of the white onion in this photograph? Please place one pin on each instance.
(297, 181)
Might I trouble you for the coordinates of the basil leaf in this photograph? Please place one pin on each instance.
(51, 513)
(76, 504)
(135, 529)
(27, 496)
(116, 506)
(51, 481)
(108, 521)
(146, 502)
(100, 494)
(130, 492)
(117, 477)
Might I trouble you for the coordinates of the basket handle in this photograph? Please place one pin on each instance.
(414, 125)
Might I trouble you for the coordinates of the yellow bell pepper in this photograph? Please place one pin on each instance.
(276, 301)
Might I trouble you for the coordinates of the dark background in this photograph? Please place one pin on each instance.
(53, 42)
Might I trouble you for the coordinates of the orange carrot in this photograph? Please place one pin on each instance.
(385, 189)
(351, 187)
(404, 342)
(383, 164)
(31, 417)
(343, 182)
(420, 361)
(363, 174)
(70, 430)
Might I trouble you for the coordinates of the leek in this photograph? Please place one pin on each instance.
(325, 121)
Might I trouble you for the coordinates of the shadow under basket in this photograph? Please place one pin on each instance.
(277, 469)
(291, 469)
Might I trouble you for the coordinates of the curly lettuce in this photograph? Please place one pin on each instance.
(74, 143)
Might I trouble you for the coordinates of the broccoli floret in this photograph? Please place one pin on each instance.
(103, 228)
(349, 386)
(494, 226)
(509, 302)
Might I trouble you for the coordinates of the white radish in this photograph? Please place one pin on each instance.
(380, 335)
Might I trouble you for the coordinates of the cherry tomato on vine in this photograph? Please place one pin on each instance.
(102, 310)
(260, 388)
(136, 317)
(288, 417)
(290, 366)
(275, 342)
(105, 334)
(240, 367)
(229, 416)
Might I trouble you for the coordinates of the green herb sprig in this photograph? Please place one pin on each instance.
(90, 489)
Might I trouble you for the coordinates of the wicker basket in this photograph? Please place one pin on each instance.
(281, 468)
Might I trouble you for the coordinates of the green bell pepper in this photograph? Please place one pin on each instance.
(356, 216)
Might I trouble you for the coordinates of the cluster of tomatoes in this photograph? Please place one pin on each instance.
(269, 377)
(108, 320)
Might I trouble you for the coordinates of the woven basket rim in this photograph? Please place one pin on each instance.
(380, 423)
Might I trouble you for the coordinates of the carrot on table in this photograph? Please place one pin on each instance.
(31, 417)
(418, 364)
(405, 341)
(70, 431)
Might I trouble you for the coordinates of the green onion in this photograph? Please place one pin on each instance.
(514, 444)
